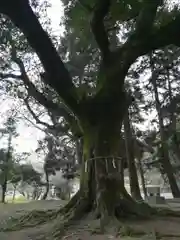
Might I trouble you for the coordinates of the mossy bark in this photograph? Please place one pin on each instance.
(102, 188)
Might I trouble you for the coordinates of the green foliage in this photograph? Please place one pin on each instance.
(15, 174)
(29, 175)
(13, 43)
(9, 169)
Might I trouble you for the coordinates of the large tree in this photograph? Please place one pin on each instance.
(100, 115)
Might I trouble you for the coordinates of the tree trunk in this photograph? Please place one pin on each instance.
(173, 120)
(47, 186)
(102, 188)
(4, 189)
(121, 169)
(4, 186)
(91, 180)
(142, 178)
(110, 190)
(36, 192)
(79, 143)
(6, 169)
(14, 193)
(165, 153)
(129, 142)
(172, 113)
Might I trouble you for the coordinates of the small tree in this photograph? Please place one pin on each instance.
(6, 155)
(31, 177)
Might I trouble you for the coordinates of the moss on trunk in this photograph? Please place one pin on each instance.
(102, 190)
(106, 191)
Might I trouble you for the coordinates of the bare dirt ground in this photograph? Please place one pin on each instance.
(85, 229)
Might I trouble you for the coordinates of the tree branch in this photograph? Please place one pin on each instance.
(87, 7)
(155, 38)
(38, 121)
(50, 128)
(48, 104)
(9, 75)
(59, 110)
(146, 17)
(23, 17)
(101, 10)
(144, 145)
(33, 124)
(163, 36)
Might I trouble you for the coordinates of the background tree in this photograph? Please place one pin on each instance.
(7, 157)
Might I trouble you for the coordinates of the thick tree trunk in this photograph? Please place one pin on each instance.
(102, 188)
(129, 142)
(110, 191)
(84, 201)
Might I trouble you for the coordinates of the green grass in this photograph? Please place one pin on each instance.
(19, 199)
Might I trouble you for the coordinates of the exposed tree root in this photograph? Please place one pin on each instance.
(74, 200)
(129, 209)
(79, 206)
(31, 219)
(75, 209)
(163, 212)
(131, 232)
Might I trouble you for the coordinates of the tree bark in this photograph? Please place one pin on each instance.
(79, 143)
(109, 183)
(14, 193)
(4, 188)
(173, 119)
(143, 182)
(168, 169)
(121, 169)
(47, 186)
(129, 142)
(6, 169)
